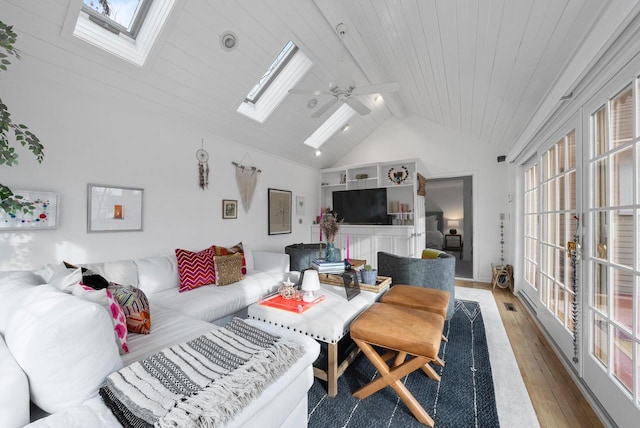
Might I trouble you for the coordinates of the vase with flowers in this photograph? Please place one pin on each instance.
(330, 225)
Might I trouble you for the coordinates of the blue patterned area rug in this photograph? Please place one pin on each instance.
(465, 396)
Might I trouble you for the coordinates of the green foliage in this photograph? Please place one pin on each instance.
(8, 156)
(367, 267)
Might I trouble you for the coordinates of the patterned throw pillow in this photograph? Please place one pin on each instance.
(135, 306)
(90, 278)
(228, 269)
(113, 307)
(225, 251)
(195, 269)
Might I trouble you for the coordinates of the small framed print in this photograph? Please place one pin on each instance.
(299, 205)
(113, 209)
(279, 211)
(229, 208)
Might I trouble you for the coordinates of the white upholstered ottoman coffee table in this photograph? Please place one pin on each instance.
(327, 322)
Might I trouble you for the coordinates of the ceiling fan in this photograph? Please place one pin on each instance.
(344, 89)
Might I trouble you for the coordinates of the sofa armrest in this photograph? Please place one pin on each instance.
(267, 261)
(14, 394)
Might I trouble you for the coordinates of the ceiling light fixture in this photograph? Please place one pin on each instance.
(313, 102)
(228, 41)
(318, 152)
(345, 128)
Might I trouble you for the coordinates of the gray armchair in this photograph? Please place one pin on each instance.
(436, 273)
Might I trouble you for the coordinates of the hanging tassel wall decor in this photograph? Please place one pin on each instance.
(203, 167)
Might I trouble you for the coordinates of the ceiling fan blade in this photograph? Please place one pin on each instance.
(322, 110)
(357, 105)
(374, 89)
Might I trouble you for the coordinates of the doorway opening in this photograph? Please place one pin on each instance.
(449, 225)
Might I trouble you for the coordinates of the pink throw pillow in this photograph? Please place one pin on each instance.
(195, 269)
(117, 314)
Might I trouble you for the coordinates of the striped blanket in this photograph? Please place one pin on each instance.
(204, 382)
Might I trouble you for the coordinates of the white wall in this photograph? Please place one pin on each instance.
(448, 153)
(96, 134)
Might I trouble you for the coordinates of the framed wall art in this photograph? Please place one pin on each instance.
(229, 208)
(279, 212)
(113, 209)
(299, 205)
(44, 214)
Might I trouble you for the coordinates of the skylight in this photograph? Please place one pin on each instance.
(336, 121)
(127, 29)
(118, 16)
(271, 73)
(284, 73)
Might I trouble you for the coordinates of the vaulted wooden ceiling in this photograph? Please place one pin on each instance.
(482, 67)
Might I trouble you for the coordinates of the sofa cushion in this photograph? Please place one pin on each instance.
(26, 277)
(158, 273)
(106, 299)
(195, 268)
(135, 305)
(228, 269)
(430, 253)
(14, 394)
(64, 278)
(76, 338)
(121, 271)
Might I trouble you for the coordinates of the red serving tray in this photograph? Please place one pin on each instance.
(275, 300)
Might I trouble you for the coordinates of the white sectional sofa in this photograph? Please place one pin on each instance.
(56, 349)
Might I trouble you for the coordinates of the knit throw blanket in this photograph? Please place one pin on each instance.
(204, 382)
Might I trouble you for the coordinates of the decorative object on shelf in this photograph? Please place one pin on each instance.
(310, 284)
(369, 275)
(343, 178)
(287, 291)
(453, 225)
(299, 205)
(39, 211)
(203, 167)
(398, 176)
(229, 208)
(362, 176)
(279, 211)
(422, 185)
(113, 209)
(246, 178)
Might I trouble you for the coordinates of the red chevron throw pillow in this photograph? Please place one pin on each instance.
(195, 269)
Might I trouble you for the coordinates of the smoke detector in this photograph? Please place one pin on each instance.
(228, 41)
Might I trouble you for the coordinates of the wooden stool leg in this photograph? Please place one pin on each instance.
(392, 378)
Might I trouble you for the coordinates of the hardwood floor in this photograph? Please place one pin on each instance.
(556, 399)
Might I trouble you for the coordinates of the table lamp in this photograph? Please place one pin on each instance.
(453, 225)
(310, 283)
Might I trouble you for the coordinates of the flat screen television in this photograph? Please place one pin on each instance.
(366, 206)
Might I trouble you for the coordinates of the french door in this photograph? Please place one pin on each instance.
(551, 200)
(612, 265)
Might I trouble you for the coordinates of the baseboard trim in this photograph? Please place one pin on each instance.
(595, 404)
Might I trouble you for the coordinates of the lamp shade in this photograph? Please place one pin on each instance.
(310, 283)
(453, 226)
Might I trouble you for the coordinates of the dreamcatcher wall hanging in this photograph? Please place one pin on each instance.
(203, 167)
(247, 178)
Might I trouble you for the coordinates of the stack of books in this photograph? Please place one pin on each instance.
(323, 266)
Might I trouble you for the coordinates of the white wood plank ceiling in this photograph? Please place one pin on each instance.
(482, 67)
